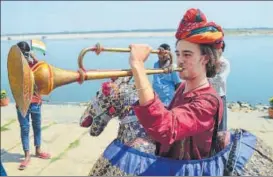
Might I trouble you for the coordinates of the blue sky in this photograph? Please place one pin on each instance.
(58, 16)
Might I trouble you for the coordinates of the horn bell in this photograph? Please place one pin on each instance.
(41, 78)
(21, 79)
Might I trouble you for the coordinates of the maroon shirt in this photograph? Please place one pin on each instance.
(189, 115)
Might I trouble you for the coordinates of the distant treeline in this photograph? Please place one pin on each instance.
(135, 30)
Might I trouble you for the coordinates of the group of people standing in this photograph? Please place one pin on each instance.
(181, 111)
(171, 90)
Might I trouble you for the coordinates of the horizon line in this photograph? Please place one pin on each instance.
(128, 30)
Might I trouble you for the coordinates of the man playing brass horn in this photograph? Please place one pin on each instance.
(189, 121)
(188, 129)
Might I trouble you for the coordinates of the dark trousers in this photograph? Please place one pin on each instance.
(223, 124)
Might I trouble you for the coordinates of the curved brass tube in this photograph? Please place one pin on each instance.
(46, 77)
(98, 49)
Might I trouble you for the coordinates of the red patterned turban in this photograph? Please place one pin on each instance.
(195, 28)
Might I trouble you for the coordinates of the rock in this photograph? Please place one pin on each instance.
(239, 102)
(246, 110)
(234, 106)
(261, 107)
(245, 105)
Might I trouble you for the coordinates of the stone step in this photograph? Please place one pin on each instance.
(10, 138)
(79, 161)
(54, 140)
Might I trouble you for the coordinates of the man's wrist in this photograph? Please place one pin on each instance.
(137, 65)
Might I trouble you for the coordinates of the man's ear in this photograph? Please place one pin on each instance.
(204, 59)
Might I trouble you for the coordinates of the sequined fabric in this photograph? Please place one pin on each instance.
(134, 135)
(120, 98)
(98, 125)
(103, 167)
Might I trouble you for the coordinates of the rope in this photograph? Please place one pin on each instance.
(82, 75)
(98, 49)
(239, 149)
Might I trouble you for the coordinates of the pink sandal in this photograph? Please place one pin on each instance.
(43, 155)
(24, 164)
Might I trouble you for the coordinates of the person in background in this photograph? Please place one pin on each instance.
(219, 82)
(165, 84)
(34, 111)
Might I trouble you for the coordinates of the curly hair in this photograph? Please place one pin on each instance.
(213, 56)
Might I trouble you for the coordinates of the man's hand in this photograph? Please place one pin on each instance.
(139, 54)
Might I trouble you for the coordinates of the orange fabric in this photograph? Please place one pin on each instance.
(36, 98)
(205, 38)
(195, 28)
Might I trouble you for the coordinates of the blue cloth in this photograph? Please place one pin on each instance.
(164, 85)
(3, 171)
(134, 162)
(35, 112)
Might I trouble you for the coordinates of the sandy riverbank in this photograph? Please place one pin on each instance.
(74, 151)
(123, 35)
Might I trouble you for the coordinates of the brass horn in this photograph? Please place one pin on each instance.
(45, 77)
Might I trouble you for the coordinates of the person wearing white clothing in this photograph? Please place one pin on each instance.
(219, 82)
